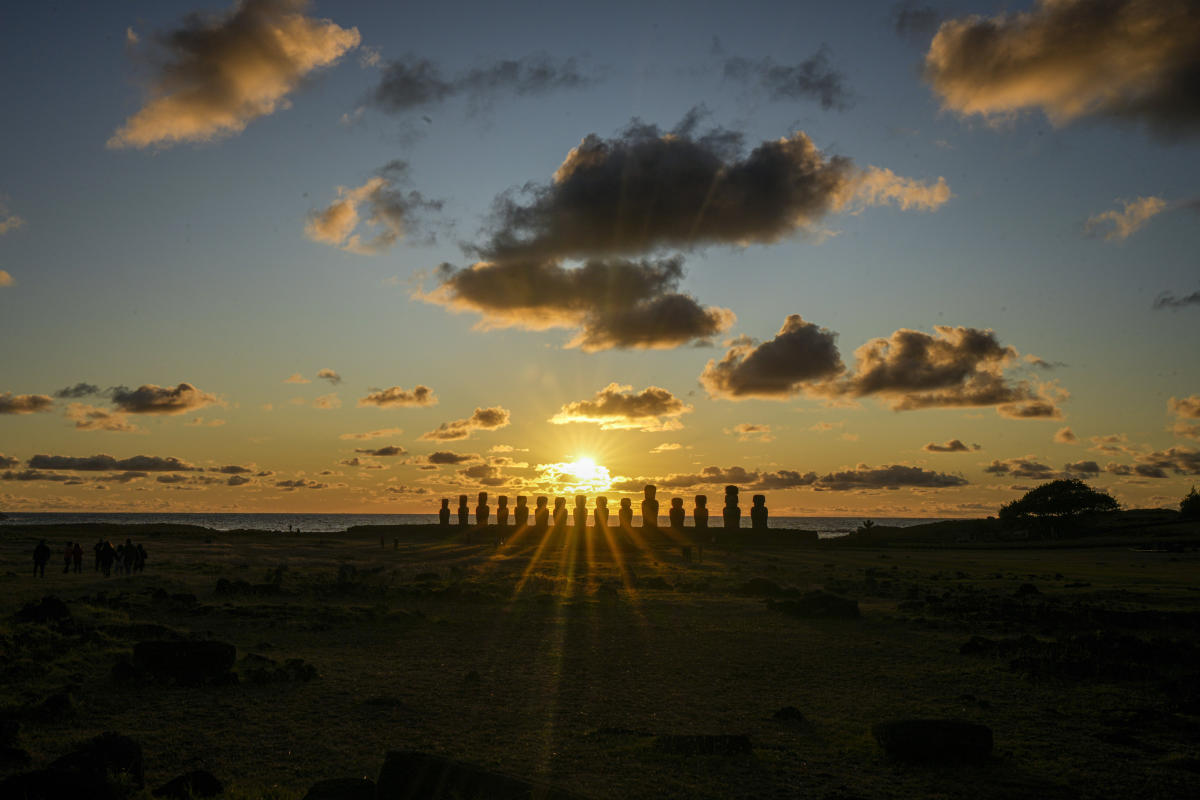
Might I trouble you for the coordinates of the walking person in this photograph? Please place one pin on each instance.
(41, 555)
(77, 557)
(68, 554)
(97, 548)
(140, 563)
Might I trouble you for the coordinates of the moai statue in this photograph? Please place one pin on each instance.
(580, 512)
(541, 516)
(521, 514)
(677, 513)
(700, 512)
(502, 511)
(560, 513)
(649, 508)
(625, 513)
(601, 513)
(464, 512)
(732, 514)
(758, 514)
(444, 514)
(482, 512)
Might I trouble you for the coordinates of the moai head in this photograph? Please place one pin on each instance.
(580, 500)
(522, 501)
(560, 502)
(601, 502)
(445, 502)
(626, 502)
(483, 498)
(760, 500)
(731, 490)
(462, 499)
(701, 501)
(650, 491)
(676, 502)
(502, 501)
(541, 502)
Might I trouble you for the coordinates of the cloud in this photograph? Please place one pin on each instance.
(1180, 460)
(1065, 436)
(5, 279)
(952, 446)
(1026, 467)
(485, 474)
(106, 463)
(665, 447)
(390, 450)
(200, 422)
(915, 22)
(1169, 300)
(618, 407)
(615, 303)
(648, 189)
(237, 480)
(1124, 223)
(412, 82)
(329, 375)
(327, 402)
(396, 397)
(379, 434)
(1082, 468)
(8, 461)
(861, 477)
(300, 483)
(33, 475)
(24, 403)
(93, 418)
(778, 369)
(220, 72)
(447, 457)
(1112, 443)
(9, 222)
(484, 419)
(77, 391)
(1186, 407)
(151, 399)
(751, 432)
(811, 79)
(894, 476)
(1041, 408)
(125, 477)
(387, 212)
(1124, 60)
(296, 377)
(232, 469)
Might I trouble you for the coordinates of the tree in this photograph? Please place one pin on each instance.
(1063, 498)
(1189, 506)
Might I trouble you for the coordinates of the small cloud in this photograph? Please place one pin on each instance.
(397, 397)
(5, 279)
(200, 422)
(329, 375)
(377, 434)
(801, 353)
(751, 432)
(952, 446)
(91, 418)
(296, 377)
(24, 403)
(811, 79)
(131, 36)
(618, 407)
(387, 212)
(1168, 300)
(1065, 436)
(666, 447)
(152, 399)
(484, 419)
(327, 402)
(77, 391)
(448, 457)
(1113, 225)
(390, 450)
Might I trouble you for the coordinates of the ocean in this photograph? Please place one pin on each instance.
(826, 527)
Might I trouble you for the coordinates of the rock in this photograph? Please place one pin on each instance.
(342, 789)
(1026, 590)
(818, 605)
(935, 740)
(46, 611)
(185, 662)
(410, 774)
(788, 714)
(703, 744)
(197, 783)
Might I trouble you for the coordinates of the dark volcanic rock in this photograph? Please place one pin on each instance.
(788, 714)
(185, 662)
(342, 789)
(408, 774)
(197, 783)
(46, 611)
(935, 740)
(818, 605)
(699, 744)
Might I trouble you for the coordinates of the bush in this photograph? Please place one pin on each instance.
(1062, 498)
(1189, 506)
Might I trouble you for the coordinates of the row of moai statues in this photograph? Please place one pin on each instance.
(731, 515)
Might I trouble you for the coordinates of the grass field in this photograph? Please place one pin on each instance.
(562, 663)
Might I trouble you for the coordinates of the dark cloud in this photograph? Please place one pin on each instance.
(390, 450)
(172, 479)
(386, 211)
(1169, 300)
(33, 475)
(1125, 60)
(811, 79)
(618, 407)
(952, 446)
(151, 399)
(447, 457)
(485, 474)
(410, 82)
(24, 403)
(1187, 407)
(9, 461)
(915, 22)
(615, 303)
(106, 463)
(1030, 409)
(93, 418)
(77, 391)
(396, 397)
(329, 375)
(484, 419)
(1021, 468)
(125, 477)
(861, 477)
(237, 480)
(231, 469)
(300, 483)
(752, 432)
(220, 72)
(1082, 468)
(799, 354)
(1118, 469)
(894, 476)
(1179, 460)
(1065, 436)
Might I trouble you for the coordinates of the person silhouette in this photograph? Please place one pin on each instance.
(731, 514)
(677, 513)
(601, 513)
(580, 513)
(700, 513)
(541, 515)
(77, 557)
(464, 512)
(625, 513)
(41, 557)
(444, 513)
(521, 514)
(758, 513)
(67, 553)
(482, 512)
(649, 508)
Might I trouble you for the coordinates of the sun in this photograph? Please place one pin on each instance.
(581, 476)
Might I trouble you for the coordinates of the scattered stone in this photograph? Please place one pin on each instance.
(788, 714)
(817, 605)
(197, 783)
(47, 611)
(935, 740)
(186, 662)
(342, 789)
(410, 774)
(701, 744)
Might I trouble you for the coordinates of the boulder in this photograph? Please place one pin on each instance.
(46, 611)
(189, 785)
(185, 662)
(935, 740)
(409, 774)
(342, 789)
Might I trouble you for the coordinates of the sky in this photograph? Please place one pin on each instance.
(890, 259)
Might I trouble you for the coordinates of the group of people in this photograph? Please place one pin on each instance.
(126, 558)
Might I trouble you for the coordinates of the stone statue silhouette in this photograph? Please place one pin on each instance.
(560, 513)
(700, 513)
(601, 512)
(732, 514)
(482, 512)
(521, 514)
(541, 516)
(677, 513)
(580, 512)
(625, 513)
(464, 513)
(444, 514)
(649, 508)
(758, 513)
(502, 510)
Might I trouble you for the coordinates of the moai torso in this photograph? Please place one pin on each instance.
(482, 512)
(560, 513)
(541, 516)
(502, 510)
(649, 508)
(677, 513)
(700, 513)
(580, 513)
(444, 514)
(464, 512)
(601, 512)
(758, 513)
(521, 514)
(731, 513)
(625, 513)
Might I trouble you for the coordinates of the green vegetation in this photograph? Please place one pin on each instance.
(1059, 499)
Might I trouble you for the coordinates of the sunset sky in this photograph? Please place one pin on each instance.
(893, 259)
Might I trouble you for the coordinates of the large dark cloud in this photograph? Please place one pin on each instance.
(1026, 467)
(1118, 59)
(861, 477)
(409, 83)
(618, 407)
(811, 79)
(447, 457)
(106, 463)
(1082, 468)
(396, 397)
(615, 303)
(219, 72)
(1179, 460)
(484, 419)
(33, 475)
(894, 476)
(24, 403)
(485, 474)
(78, 391)
(152, 399)
(389, 450)
(800, 353)
(1169, 300)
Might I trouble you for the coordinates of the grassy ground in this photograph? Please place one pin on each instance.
(526, 660)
